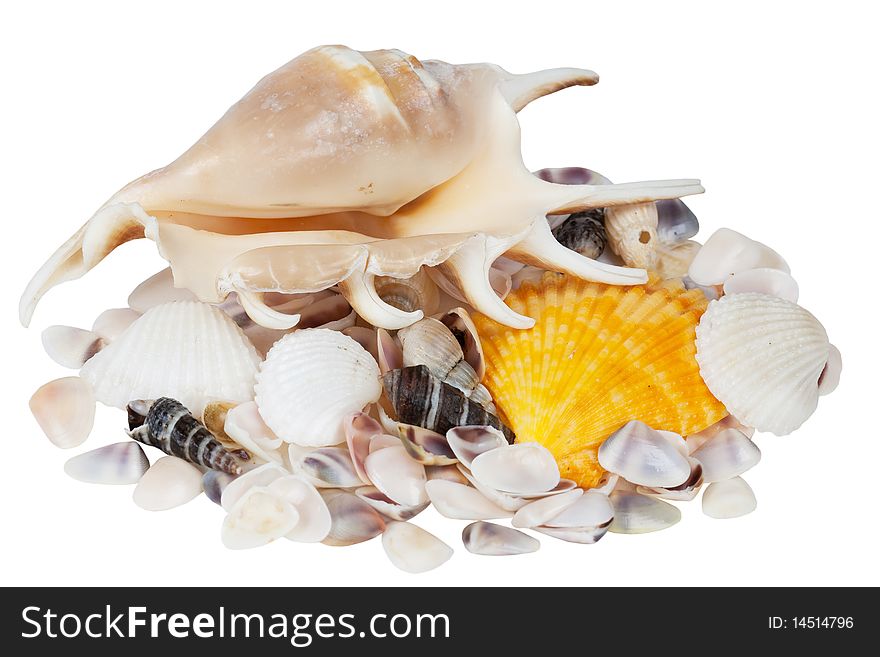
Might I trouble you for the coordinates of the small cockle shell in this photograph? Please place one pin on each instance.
(684, 492)
(830, 377)
(412, 549)
(543, 509)
(762, 357)
(245, 426)
(120, 463)
(727, 253)
(112, 323)
(639, 514)
(170, 482)
(727, 455)
(186, 350)
(310, 381)
(523, 468)
(462, 502)
(468, 442)
(763, 280)
(388, 507)
(328, 467)
(644, 456)
(69, 346)
(214, 483)
(259, 517)
(632, 233)
(397, 475)
(506, 501)
(731, 498)
(260, 476)
(496, 540)
(352, 519)
(65, 410)
(314, 521)
(157, 290)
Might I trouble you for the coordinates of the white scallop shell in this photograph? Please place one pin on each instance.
(310, 381)
(762, 356)
(186, 350)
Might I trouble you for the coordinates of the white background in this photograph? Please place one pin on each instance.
(774, 105)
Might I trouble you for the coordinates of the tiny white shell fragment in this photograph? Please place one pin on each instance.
(582, 535)
(156, 290)
(507, 501)
(245, 426)
(727, 253)
(727, 455)
(117, 464)
(70, 346)
(462, 502)
(397, 475)
(638, 514)
(774, 282)
(830, 377)
(170, 482)
(388, 507)
(496, 540)
(352, 519)
(523, 468)
(541, 510)
(644, 456)
(329, 467)
(112, 323)
(65, 410)
(259, 517)
(412, 549)
(729, 499)
(468, 442)
(590, 510)
(259, 476)
(314, 516)
(311, 380)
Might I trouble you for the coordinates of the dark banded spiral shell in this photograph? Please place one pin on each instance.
(421, 399)
(168, 425)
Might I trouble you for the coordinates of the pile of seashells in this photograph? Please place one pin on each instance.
(373, 307)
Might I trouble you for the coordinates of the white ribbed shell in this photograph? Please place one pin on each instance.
(761, 356)
(311, 379)
(186, 350)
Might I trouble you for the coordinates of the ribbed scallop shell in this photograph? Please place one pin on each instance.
(762, 356)
(597, 357)
(310, 381)
(186, 350)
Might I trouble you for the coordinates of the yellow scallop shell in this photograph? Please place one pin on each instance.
(598, 356)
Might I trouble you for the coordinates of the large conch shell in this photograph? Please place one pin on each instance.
(342, 166)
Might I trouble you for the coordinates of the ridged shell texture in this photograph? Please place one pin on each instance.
(763, 356)
(598, 356)
(187, 350)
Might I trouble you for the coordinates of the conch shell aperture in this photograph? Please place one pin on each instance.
(343, 166)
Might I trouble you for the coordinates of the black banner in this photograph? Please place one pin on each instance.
(402, 620)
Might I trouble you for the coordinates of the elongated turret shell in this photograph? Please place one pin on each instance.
(762, 356)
